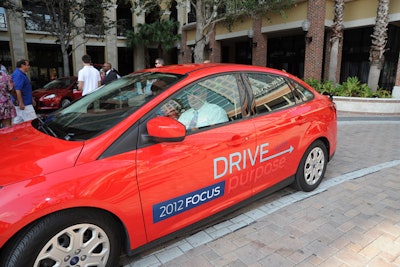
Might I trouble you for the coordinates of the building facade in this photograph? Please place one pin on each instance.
(277, 41)
(280, 42)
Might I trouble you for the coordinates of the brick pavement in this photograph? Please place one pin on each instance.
(352, 219)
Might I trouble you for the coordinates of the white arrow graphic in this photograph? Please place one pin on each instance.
(289, 150)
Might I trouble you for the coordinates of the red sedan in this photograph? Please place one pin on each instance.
(153, 153)
(57, 93)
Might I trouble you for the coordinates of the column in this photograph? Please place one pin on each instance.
(16, 30)
(138, 53)
(259, 46)
(313, 62)
(111, 50)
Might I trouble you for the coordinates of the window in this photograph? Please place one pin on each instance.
(3, 21)
(94, 20)
(124, 17)
(301, 93)
(191, 12)
(271, 92)
(36, 21)
(41, 17)
(213, 100)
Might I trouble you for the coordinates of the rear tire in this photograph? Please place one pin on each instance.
(312, 167)
(66, 238)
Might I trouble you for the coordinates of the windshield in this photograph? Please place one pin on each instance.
(106, 107)
(59, 83)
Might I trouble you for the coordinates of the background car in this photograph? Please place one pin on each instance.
(57, 93)
(153, 153)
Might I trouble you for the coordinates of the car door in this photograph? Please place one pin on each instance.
(185, 181)
(279, 124)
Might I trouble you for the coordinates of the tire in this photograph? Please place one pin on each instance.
(312, 167)
(67, 238)
(65, 102)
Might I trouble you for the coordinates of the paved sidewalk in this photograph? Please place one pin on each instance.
(352, 219)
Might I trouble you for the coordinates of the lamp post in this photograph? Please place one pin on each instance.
(306, 26)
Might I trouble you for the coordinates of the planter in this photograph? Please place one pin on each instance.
(381, 106)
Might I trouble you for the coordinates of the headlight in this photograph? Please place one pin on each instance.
(50, 96)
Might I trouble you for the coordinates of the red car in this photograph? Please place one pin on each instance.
(153, 153)
(57, 93)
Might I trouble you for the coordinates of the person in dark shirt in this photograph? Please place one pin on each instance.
(110, 73)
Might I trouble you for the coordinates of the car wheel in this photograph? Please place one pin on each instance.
(312, 167)
(68, 238)
(65, 102)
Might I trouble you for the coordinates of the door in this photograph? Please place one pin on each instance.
(279, 128)
(185, 181)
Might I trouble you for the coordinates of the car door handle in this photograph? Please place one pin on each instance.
(300, 119)
(238, 140)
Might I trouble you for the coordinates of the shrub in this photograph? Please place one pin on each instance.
(352, 87)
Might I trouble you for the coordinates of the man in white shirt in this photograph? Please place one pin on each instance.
(201, 113)
(88, 77)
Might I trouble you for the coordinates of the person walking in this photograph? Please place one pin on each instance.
(88, 77)
(110, 73)
(7, 109)
(23, 89)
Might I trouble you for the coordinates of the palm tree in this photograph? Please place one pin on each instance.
(159, 33)
(336, 39)
(379, 40)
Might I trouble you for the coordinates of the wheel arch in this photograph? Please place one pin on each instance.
(121, 228)
(326, 142)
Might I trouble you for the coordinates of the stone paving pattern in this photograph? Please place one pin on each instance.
(351, 223)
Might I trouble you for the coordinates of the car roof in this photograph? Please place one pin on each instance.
(184, 69)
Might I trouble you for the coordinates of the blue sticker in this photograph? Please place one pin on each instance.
(172, 207)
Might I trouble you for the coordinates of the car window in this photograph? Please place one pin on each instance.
(271, 92)
(206, 102)
(300, 92)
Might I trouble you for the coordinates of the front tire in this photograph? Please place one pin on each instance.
(312, 167)
(65, 102)
(67, 238)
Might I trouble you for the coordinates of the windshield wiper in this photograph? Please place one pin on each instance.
(45, 128)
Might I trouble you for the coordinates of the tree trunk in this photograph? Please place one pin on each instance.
(200, 38)
(333, 62)
(379, 39)
(199, 51)
(373, 76)
(337, 36)
(66, 64)
(64, 52)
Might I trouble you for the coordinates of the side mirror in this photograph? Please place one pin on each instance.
(165, 129)
(329, 95)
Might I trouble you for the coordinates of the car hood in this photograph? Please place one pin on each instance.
(40, 92)
(27, 152)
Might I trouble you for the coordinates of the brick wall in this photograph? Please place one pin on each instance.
(187, 52)
(314, 50)
(260, 51)
(215, 55)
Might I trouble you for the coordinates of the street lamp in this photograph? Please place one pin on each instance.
(306, 26)
(250, 34)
